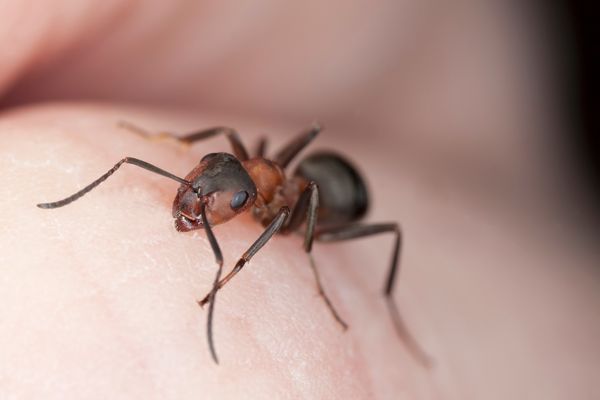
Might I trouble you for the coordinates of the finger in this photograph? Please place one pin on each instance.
(482, 284)
(107, 288)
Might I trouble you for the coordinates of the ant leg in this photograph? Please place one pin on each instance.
(126, 160)
(236, 144)
(354, 231)
(268, 233)
(261, 148)
(306, 208)
(153, 137)
(287, 154)
(211, 296)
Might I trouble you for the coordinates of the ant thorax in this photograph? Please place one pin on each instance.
(274, 190)
(285, 195)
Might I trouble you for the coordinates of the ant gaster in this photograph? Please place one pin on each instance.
(324, 198)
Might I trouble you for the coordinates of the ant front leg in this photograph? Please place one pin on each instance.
(268, 233)
(211, 296)
(306, 209)
(355, 231)
(239, 150)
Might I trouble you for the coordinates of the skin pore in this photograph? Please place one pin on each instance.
(99, 298)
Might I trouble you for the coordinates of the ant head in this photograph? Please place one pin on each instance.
(221, 183)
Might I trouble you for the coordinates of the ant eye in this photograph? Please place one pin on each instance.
(239, 199)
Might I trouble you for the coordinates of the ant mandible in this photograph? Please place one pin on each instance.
(325, 196)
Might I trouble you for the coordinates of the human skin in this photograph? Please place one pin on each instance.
(99, 298)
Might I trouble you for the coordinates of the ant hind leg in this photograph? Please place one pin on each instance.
(355, 231)
(188, 139)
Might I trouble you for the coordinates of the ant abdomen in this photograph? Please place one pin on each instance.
(343, 194)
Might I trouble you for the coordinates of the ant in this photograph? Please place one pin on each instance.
(325, 198)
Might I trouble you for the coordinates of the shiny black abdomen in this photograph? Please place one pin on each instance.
(343, 195)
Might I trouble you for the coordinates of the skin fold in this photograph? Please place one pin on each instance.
(446, 107)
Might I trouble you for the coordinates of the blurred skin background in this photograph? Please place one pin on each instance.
(470, 111)
(466, 83)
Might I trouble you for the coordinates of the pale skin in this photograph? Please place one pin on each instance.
(99, 297)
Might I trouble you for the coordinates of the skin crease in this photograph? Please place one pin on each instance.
(497, 282)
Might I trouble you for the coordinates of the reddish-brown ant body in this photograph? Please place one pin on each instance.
(325, 198)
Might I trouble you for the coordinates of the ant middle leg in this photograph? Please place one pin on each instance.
(306, 209)
(291, 150)
(261, 147)
(239, 150)
(357, 230)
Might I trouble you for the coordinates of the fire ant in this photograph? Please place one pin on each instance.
(325, 198)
